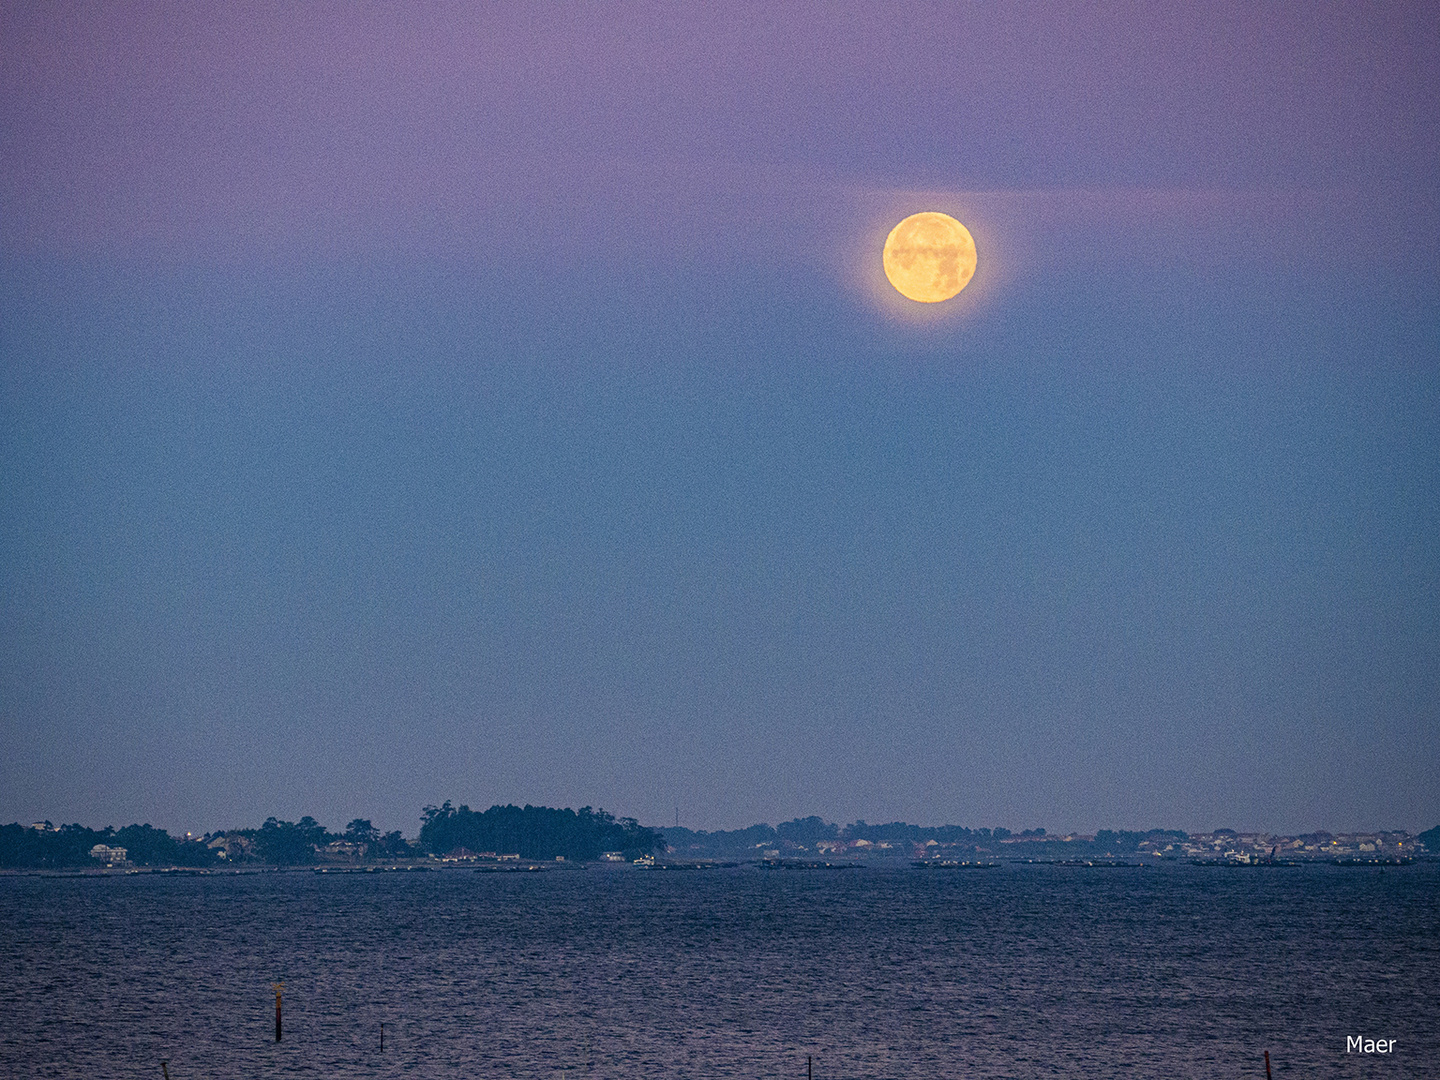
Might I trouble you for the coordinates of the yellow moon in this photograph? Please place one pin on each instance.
(929, 257)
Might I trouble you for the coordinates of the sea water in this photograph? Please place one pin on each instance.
(608, 972)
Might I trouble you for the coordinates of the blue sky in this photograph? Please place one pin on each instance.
(513, 410)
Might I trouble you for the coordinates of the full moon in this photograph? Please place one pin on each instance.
(929, 257)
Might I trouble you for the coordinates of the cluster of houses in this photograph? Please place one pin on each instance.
(1229, 846)
(236, 847)
(1222, 845)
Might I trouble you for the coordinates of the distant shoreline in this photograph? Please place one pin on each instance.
(509, 838)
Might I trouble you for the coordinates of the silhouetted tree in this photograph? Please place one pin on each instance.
(286, 843)
(535, 832)
(360, 831)
(70, 845)
(393, 846)
(146, 845)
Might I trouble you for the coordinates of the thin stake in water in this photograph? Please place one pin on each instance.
(1267, 1065)
(278, 987)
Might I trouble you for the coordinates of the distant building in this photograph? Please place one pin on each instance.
(231, 848)
(110, 856)
(613, 856)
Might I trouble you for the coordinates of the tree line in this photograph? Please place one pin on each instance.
(276, 843)
(814, 834)
(536, 832)
(70, 846)
(533, 832)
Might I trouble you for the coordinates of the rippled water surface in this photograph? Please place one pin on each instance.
(1174, 971)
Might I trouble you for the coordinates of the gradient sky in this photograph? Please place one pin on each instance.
(503, 402)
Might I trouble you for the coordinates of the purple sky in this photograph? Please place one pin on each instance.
(367, 130)
(503, 402)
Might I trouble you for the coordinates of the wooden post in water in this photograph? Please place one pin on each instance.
(809, 1067)
(278, 987)
(1267, 1065)
(382, 1036)
(165, 1067)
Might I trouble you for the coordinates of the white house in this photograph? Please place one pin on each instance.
(110, 856)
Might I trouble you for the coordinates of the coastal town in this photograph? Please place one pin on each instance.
(798, 843)
(1219, 847)
(1228, 846)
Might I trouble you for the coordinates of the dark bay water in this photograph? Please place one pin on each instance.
(1022, 971)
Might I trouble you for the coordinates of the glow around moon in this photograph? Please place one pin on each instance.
(929, 257)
